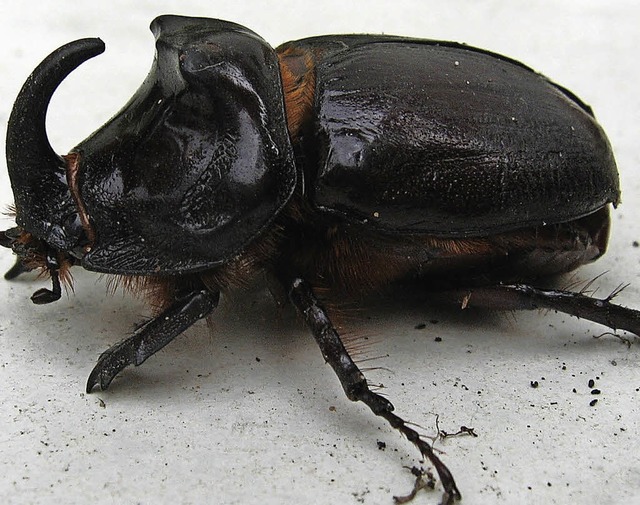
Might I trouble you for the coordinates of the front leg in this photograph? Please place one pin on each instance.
(152, 336)
(354, 382)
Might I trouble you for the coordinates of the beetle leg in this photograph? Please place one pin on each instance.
(44, 295)
(152, 336)
(354, 382)
(525, 297)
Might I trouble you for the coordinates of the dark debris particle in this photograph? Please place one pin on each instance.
(462, 431)
(534, 384)
(635, 243)
(593, 402)
(381, 445)
(434, 321)
(420, 326)
(595, 391)
(591, 383)
(437, 339)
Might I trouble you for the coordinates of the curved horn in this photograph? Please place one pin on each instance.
(28, 148)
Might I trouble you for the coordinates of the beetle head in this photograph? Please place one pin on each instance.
(49, 232)
(194, 167)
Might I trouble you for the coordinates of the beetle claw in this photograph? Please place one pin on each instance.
(111, 363)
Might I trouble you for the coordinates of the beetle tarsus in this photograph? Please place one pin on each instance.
(354, 382)
(152, 336)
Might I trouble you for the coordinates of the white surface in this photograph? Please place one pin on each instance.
(205, 422)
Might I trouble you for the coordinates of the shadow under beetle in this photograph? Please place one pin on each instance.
(335, 165)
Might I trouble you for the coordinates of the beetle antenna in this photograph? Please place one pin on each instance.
(17, 269)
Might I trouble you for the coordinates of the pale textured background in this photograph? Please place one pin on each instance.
(205, 422)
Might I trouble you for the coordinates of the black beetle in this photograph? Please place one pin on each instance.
(340, 165)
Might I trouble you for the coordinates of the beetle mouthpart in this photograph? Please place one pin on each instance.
(9, 239)
(6, 238)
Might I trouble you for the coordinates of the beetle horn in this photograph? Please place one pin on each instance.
(37, 173)
(28, 148)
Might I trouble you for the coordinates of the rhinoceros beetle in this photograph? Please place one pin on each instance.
(337, 166)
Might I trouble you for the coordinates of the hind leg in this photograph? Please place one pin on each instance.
(527, 297)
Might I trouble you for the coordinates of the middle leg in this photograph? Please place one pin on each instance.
(354, 383)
